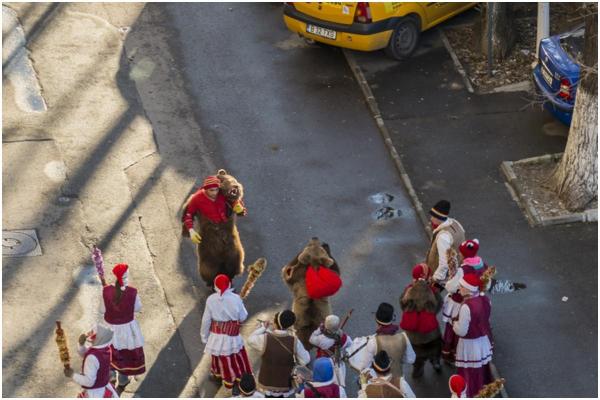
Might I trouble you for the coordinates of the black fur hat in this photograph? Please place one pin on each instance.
(384, 314)
(382, 362)
(285, 319)
(441, 210)
(247, 384)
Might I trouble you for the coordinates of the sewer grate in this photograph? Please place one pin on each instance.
(20, 243)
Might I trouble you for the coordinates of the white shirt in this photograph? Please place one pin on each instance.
(228, 307)
(443, 242)
(364, 357)
(318, 338)
(90, 367)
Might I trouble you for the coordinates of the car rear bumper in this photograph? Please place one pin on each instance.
(561, 110)
(547, 93)
(365, 37)
(356, 28)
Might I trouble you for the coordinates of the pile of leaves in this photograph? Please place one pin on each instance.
(518, 65)
(535, 181)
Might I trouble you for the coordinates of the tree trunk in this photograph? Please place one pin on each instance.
(576, 177)
(503, 30)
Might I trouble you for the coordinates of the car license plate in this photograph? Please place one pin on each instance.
(547, 75)
(317, 30)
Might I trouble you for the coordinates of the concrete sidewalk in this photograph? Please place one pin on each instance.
(451, 144)
(75, 173)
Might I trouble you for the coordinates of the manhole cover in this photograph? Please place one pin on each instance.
(22, 243)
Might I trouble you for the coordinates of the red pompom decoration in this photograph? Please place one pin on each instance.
(321, 282)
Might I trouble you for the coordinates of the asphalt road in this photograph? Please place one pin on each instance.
(290, 123)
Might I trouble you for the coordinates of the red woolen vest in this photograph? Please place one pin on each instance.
(122, 313)
(103, 374)
(330, 391)
(480, 308)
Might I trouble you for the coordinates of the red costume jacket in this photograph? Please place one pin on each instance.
(215, 211)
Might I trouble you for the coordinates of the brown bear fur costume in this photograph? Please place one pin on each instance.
(221, 250)
(419, 297)
(310, 313)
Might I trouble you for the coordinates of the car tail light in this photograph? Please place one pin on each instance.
(565, 89)
(363, 13)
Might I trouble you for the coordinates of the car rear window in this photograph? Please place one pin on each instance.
(572, 44)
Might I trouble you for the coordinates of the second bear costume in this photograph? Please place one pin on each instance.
(312, 276)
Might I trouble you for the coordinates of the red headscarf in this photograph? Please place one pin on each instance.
(222, 283)
(119, 270)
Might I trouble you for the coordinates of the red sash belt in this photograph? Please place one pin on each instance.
(229, 328)
(322, 353)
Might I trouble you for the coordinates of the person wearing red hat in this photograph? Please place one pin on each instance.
(221, 249)
(207, 201)
(448, 233)
(420, 303)
(458, 386)
(474, 349)
(220, 332)
(471, 264)
(120, 303)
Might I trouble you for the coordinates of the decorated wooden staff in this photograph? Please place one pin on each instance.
(486, 277)
(99, 263)
(254, 272)
(491, 389)
(346, 318)
(452, 259)
(63, 349)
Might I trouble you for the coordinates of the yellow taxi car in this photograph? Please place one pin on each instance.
(394, 27)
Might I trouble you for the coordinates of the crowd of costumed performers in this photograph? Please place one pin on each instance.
(305, 351)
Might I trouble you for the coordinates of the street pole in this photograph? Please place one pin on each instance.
(490, 46)
(543, 25)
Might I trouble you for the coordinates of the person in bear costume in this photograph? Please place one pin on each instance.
(215, 207)
(312, 276)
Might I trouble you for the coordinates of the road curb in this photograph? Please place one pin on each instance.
(459, 67)
(372, 103)
(531, 213)
(522, 86)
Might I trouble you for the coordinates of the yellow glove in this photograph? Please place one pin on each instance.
(195, 236)
(238, 208)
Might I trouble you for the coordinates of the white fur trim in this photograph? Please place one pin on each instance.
(466, 285)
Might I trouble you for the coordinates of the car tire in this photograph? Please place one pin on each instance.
(404, 39)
